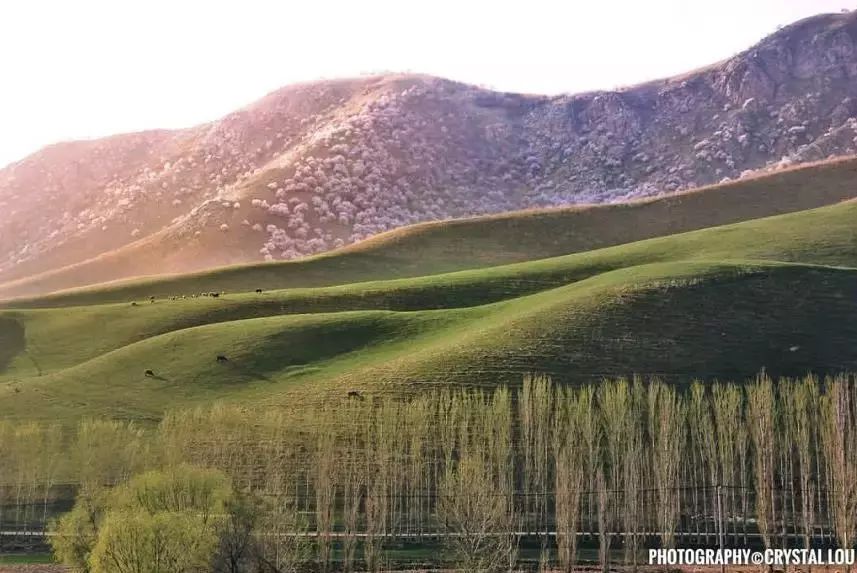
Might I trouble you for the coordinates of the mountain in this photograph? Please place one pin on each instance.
(317, 166)
(720, 302)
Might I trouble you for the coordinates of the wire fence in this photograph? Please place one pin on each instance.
(703, 516)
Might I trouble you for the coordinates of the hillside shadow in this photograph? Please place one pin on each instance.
(12, 341)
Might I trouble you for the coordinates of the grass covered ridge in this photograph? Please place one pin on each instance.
(721, 302)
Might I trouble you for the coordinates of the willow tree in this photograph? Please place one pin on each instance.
(478, 521)
(108, 452)
(620, 442)
(703, 453)
(569, 454)
(26, 471)
(604, 518)
(281, 543)
(325, 494)
(536, 410)
(760, 419)
(379, 458)
(798, 407)
(667, 438)
(500, 443)
(807, 436)
(51, 449)
(417, 425)
(352, 479)
(634, 470)
(839, 437)
(158, 521)
(590, 430)
(731, 444)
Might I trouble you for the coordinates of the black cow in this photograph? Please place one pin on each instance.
(258, 291)
(149, 374)
(222, 358)
(355, 394)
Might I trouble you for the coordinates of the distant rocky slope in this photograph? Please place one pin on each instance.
(315, 166)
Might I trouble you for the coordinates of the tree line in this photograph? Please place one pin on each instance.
(624, 464)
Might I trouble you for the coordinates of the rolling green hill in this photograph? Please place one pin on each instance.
(477, 243)
(721, 302)
(676, 320)
(824, 236)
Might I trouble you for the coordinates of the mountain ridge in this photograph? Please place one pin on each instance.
(319, 165)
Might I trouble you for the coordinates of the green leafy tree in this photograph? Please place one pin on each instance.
(136, 541)
(160, 521)
(76, 532)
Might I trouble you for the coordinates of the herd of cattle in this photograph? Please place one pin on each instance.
(212, 294)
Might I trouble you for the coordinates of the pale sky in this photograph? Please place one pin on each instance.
(75, 69)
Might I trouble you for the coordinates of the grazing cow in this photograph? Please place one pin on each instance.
(149, 374)
(258, 291)
(222, 358)
(355, 394)
(133, 304)
(151, 299)
(214, 294)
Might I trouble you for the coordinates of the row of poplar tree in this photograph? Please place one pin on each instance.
(624, 463)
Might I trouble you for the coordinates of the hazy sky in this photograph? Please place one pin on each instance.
(84, 68)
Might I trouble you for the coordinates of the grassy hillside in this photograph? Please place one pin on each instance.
(823, 236)
(471, 243)
(721, 302)
(677, 320)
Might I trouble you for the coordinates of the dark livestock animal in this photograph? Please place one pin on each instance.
(355, 394)
(222, 358)
(149, 374)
